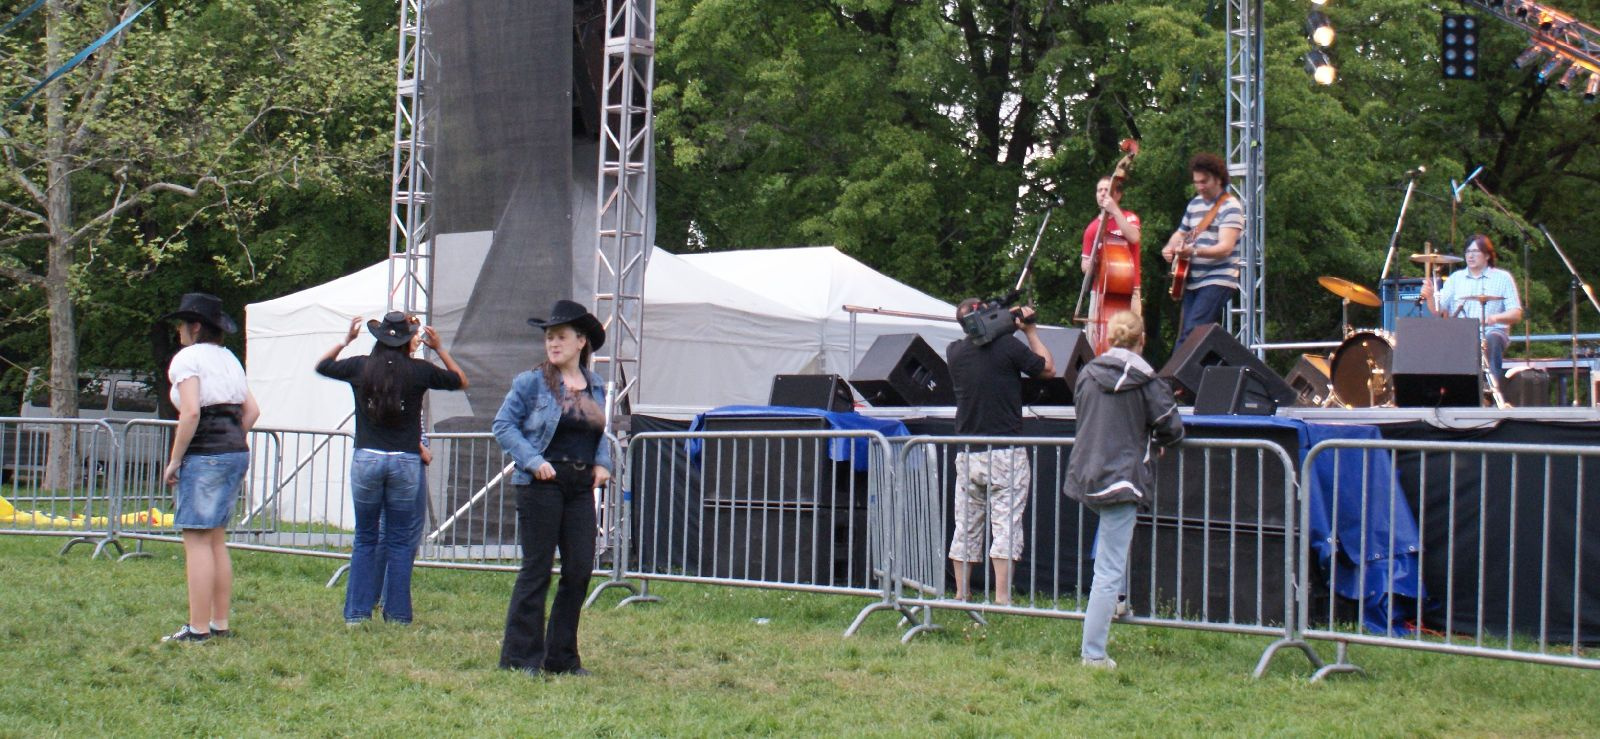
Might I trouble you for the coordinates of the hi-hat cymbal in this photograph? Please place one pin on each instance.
(1436, 259)
(1479, 298)
(1349, 291)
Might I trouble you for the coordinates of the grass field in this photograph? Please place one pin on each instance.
(80, 657)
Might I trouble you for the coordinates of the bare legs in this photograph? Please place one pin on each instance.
(209, 570)
(1002, 580)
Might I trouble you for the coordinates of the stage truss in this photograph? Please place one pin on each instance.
(1245, 144)
(410, 198)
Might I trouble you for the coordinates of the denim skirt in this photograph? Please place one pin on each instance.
(208, 485)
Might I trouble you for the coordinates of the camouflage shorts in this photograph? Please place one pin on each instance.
(994, 484)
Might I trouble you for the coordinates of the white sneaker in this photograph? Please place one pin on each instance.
(1103, 663)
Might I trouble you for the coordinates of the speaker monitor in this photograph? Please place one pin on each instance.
(1436, 363)
(1210, 346)
(827, 392)
(1310, 380)
(1233, 391)
(901, 369)
(1526, 387)
(1069, 352)
(1401, 299)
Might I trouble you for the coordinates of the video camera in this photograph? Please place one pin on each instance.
(994, 318)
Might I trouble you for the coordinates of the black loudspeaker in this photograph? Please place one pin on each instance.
(770, 471)
(1233, 391)
(1436, 363)
(1526, 387)
(901, 369)
(1309, 378)
(827, 392)
(1211, 346)
(804, 545)
(1069, 351)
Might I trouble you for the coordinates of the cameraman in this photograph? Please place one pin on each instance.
(992, 481)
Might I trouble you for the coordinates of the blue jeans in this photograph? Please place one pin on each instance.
(384, 488)
(1494, 342)
(422, 518)
(1112, 540)
(1202, 306)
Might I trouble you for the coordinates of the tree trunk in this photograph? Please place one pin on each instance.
(58, 279)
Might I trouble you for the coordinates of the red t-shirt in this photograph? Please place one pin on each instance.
(1113, 236)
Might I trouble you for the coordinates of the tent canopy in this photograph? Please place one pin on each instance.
(717, 327)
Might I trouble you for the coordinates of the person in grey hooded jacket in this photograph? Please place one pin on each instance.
(1124, 412)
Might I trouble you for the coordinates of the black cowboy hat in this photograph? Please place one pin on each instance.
(203, 308)
(395, 329)
(567, 312)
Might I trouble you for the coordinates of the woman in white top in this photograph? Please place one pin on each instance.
(209, 457)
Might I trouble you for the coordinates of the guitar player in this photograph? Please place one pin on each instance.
(1205, 243)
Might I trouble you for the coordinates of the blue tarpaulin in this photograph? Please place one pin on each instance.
(1372, 555)
(839, 449)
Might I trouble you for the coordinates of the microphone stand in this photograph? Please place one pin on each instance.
(1572, 290)
(1411, 186)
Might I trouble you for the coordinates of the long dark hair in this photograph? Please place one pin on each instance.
(552, 376)
(383, 382)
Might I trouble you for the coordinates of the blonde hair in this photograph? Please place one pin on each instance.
(1125, 330)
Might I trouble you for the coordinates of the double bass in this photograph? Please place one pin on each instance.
(1113, 267)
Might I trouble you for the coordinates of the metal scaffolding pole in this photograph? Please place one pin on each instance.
(1246, 129)
(624, 199)
(410, 196)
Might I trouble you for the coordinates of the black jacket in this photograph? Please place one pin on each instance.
(1124, 410)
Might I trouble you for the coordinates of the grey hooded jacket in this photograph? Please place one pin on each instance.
(1124, 410)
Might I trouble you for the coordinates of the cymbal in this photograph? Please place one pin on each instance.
(1349, 291)
(1479, 298)
(1436, 259)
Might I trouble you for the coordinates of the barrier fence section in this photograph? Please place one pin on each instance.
(75, 498)
(789, 510)
(1214, 551)
(1491, 550)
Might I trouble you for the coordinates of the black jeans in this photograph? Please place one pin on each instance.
(551, 513)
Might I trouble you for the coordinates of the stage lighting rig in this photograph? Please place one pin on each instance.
(1593, 87)
(1551, 31)
(1458, 47)
(1320, 67)
(1319, 29)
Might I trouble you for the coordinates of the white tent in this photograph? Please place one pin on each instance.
(717, 327)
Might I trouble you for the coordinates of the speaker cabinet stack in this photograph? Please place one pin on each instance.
(901, 370)
(1211, 346)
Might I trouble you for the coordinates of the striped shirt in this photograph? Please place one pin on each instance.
(1222, 272)
(1494, 281)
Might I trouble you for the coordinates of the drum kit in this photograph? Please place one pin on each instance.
(1359, 370)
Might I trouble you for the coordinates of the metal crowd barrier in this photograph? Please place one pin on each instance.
(788, 510)
(1215, 551)
(1493, 563)
(76, 501)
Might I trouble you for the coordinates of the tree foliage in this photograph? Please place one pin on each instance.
(929, 138)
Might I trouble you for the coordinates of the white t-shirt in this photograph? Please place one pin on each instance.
(221, 375)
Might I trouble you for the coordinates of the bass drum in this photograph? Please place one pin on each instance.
(1361, 369)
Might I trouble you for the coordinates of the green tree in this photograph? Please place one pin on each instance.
(197, 120)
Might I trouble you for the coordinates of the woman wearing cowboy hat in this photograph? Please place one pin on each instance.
(386, 469)
(209, 457)
(552, 424)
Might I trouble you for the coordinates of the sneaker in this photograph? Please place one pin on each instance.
(1103, 663)
(220, 633)
(187, 634)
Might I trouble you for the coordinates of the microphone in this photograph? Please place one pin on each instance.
(1418, 171)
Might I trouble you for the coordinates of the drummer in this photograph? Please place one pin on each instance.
(1481, 291)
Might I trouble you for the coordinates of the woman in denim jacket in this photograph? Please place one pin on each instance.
(552, 424)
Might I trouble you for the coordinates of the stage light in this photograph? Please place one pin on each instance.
(1592, 88)
(1319, 3)
(1320, 68)
(1567, 78)
(1549, 68)
(1319, 29)
(1546, 21)
(1521, 9)
(1527, 57)
(1458, 47)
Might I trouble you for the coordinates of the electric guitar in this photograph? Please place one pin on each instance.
(1180, 262)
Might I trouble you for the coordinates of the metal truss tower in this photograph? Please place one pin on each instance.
(410, 194)
(1246, 129)
(624, 199)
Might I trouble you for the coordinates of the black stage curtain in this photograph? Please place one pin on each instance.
(1532, 530)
